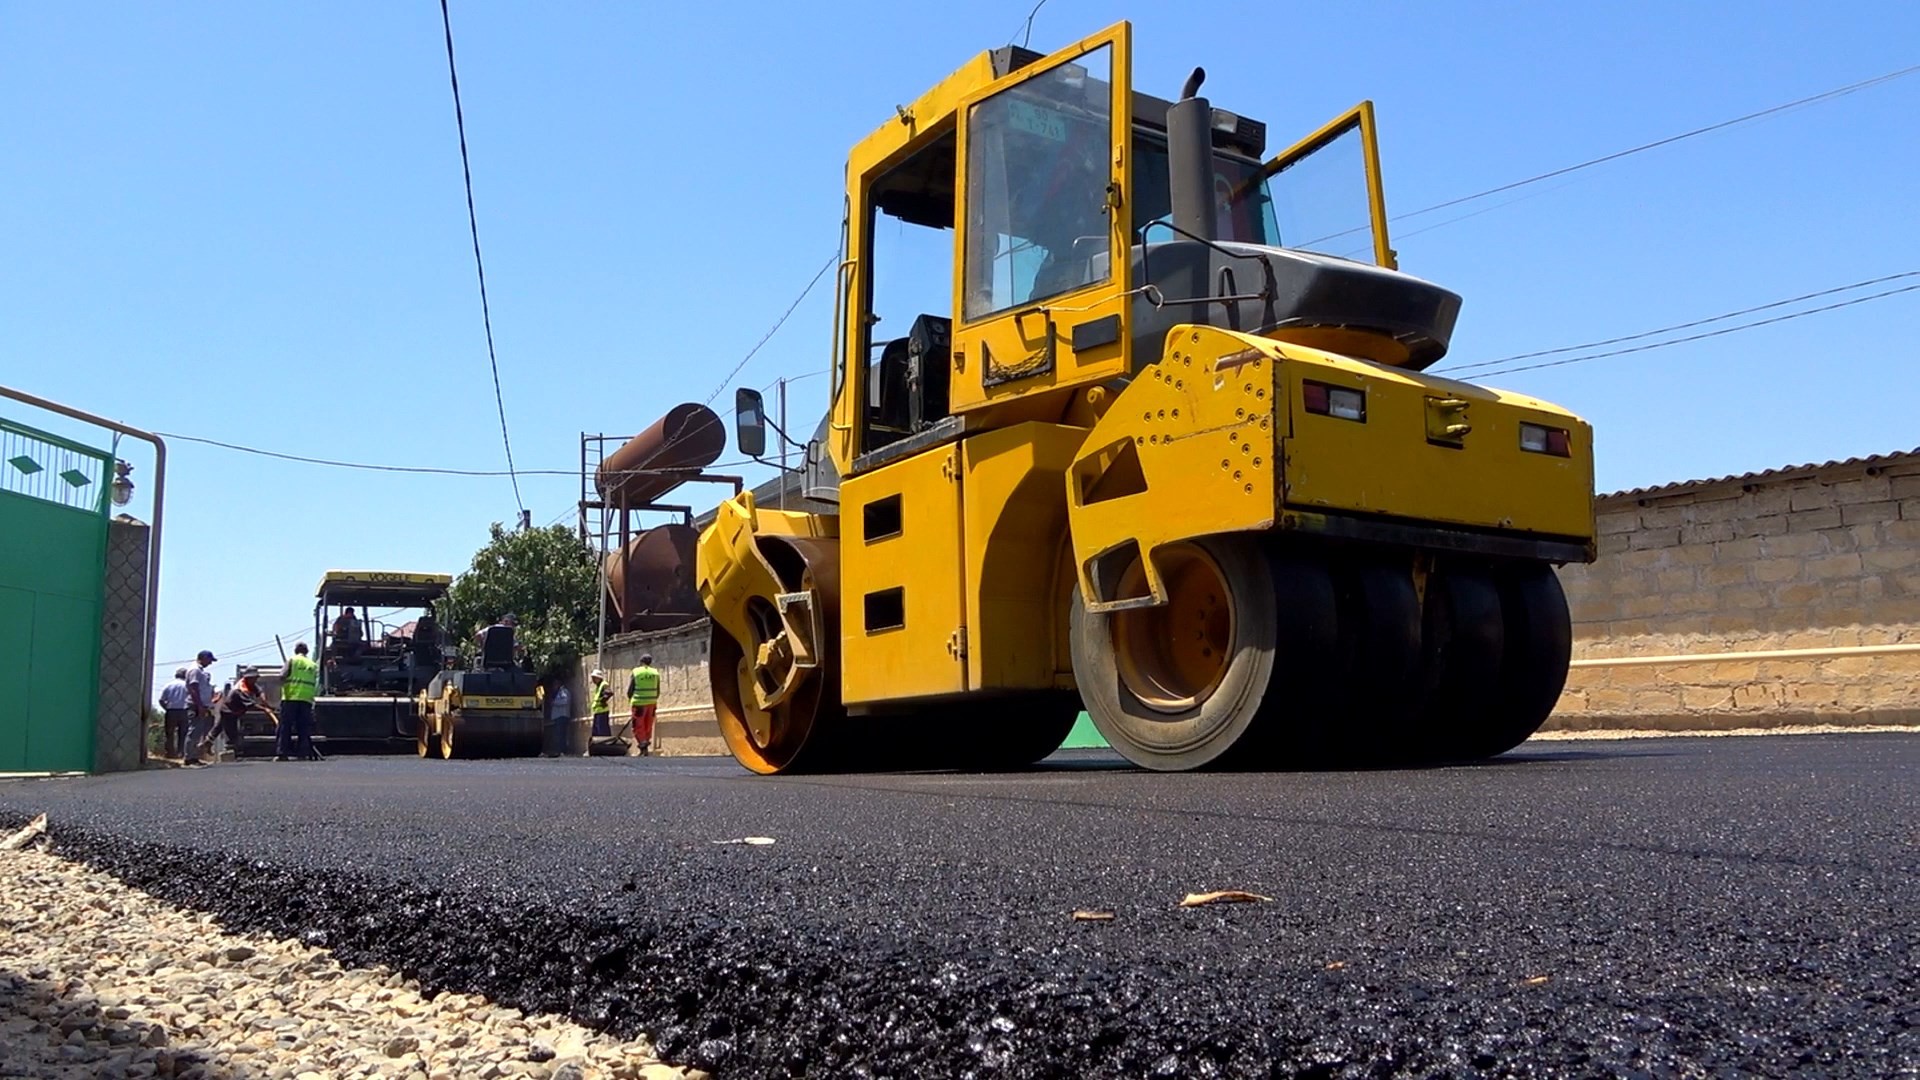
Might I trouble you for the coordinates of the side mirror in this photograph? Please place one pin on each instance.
(750, 422)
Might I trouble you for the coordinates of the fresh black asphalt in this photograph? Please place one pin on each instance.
(1735, 906)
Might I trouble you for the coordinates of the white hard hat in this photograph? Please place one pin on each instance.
(597, 674)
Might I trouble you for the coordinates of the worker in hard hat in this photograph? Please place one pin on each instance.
(600, 702)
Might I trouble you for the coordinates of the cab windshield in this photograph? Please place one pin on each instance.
(1246, 218)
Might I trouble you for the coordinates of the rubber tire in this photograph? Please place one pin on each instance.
(1379, 667)
(1538, 628)
(1018, 733)
(1300, 717)
(1203, 734)
(1463, 641)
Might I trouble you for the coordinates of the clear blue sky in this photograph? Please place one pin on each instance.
(245, 221)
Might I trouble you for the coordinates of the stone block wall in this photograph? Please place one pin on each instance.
(684, 723)
(1821, 557)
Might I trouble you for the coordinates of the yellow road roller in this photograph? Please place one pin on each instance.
(495, 709)
(1128, 416)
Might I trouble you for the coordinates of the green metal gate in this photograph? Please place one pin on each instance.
(54, 496)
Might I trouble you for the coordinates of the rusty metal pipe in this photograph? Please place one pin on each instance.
(690, 437)
(651, 580)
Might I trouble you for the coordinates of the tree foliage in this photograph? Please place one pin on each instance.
(546, 578)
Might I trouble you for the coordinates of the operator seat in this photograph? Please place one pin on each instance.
(909, 388)
(496, 648)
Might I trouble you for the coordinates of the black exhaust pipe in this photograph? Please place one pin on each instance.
(1190, 161)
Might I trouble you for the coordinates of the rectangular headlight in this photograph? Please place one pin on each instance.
(1540, 439)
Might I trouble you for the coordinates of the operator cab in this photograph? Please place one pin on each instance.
(394, 654)
(1292, 248)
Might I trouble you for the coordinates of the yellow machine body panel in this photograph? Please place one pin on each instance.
(902, 633)
(382, 578)
(1018, 578)
(1400, 461)
(494, 701)
(1186, 450)
(1215, 438)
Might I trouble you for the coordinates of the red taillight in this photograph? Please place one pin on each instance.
(1336, 401)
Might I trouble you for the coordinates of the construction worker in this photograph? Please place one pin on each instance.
(173, 701)
(346, 633)
(235, 700)
(199, 706)
(600, 702)
(297, 691)
(643, 693)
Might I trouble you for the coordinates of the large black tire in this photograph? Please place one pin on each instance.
(1302, 717)
(1181, 732)
(1538, 646)
(1015, 734)
(1379, 665)
(1464, 642)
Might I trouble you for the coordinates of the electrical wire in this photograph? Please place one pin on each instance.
(1029, 25)
(245, 650)
(1826, 95)
(480, 268)
(1700, 337)
(1678, 326)
(427, 469)
(778, 323)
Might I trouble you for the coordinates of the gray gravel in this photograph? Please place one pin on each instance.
(98, 980)
(1669, 907)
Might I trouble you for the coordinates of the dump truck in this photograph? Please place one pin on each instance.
(1159, 441)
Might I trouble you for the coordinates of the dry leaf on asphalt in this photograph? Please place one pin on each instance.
(1537, 980)
(1336, 965)
(26, 834)
(1092, 916)
(1228, 896)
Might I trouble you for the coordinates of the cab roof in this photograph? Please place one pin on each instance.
(386, 588)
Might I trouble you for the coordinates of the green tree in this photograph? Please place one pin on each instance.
(546, 578)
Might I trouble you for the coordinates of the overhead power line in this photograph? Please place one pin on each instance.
(429, 470)
(1826, 95)
(223, 655)
(1812, 99)
(777, 324)
(1452, 369)
(1027, 35)
(1699, 337)
(480, 268)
